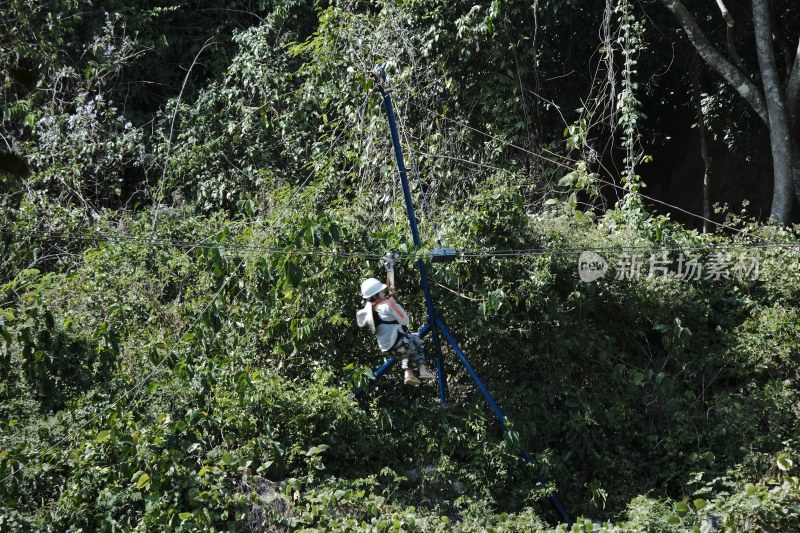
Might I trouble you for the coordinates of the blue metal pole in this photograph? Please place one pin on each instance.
(412, 219)
(562, 512)
(401, 166)
(446, 333)
(424, 330)
(384, 367)
(498, 413)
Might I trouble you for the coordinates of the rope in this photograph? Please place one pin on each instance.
(341, 254)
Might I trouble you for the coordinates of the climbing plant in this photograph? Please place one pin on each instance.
(209, 184)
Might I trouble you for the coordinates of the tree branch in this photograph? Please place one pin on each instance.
(741, 83)
(729, 22)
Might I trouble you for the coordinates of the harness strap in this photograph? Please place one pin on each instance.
(378, 320)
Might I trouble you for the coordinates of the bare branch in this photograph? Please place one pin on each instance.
(729, 22)
(735, 78)
(725, 13)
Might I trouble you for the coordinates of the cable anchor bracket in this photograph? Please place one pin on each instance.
(381, 80)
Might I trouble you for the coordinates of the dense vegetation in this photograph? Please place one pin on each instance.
(192, 195)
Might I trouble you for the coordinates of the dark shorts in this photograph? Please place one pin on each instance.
(408, 347)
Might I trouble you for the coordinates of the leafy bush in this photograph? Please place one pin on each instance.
(181, 266)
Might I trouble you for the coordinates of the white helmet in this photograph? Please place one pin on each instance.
(370, 287)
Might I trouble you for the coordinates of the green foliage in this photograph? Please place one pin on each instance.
(57, 361)
(628, 105)
(181, 266)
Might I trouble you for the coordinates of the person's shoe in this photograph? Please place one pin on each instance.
(411, 379)
(424, 375)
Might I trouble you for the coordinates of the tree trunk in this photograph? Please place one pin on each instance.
(780, 141)
(735, 78)
(796, 169)
(701, 126)
(770, 106)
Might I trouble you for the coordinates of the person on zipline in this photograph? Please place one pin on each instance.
(387, 318)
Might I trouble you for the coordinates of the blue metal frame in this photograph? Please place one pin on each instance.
(435, 325)
(384, 367)
(430, 308)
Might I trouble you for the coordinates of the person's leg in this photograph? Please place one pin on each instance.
(404, 351)
(415, 342)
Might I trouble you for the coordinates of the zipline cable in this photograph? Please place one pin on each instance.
(73, 432)
(496, 254)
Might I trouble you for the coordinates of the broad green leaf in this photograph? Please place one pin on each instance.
(700, 503)
(144, 479)
(264, 466)
(293, 273)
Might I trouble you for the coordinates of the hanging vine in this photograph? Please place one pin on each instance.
(628, 106)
